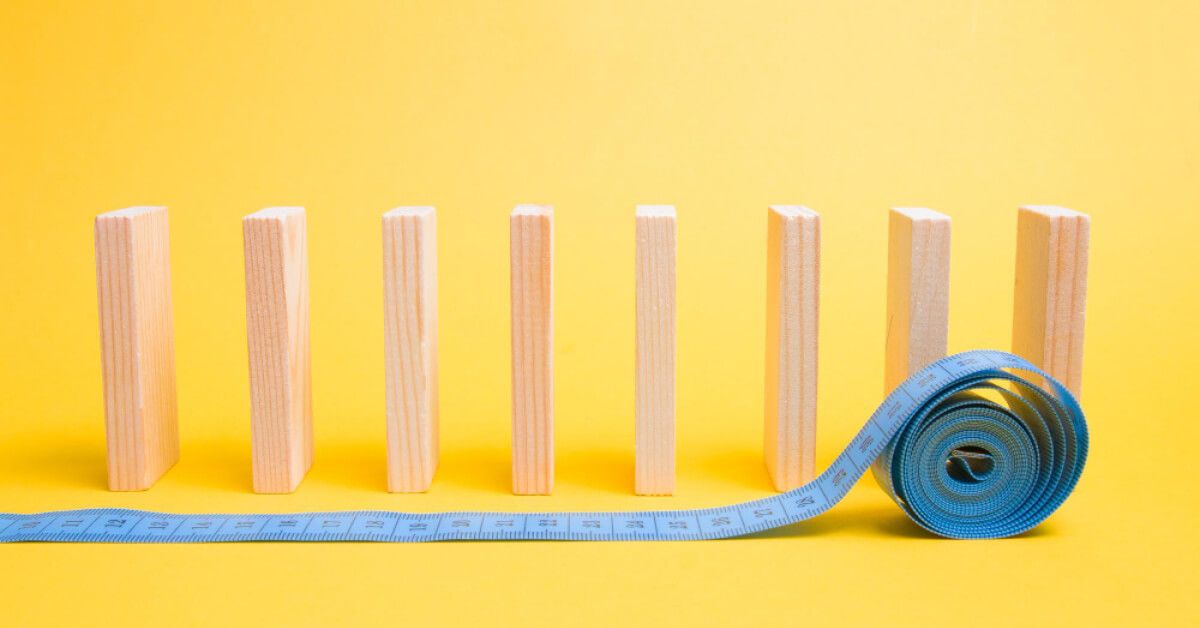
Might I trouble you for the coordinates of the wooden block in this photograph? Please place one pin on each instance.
(137, 345)
(918, 302)
(411, 346)
(276, 252)
(532, 258)
(1051, 291)
(655, 378)
(793, 293)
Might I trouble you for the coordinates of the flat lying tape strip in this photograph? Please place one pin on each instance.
(967, 447)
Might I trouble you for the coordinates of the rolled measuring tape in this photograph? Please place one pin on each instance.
(967, 447)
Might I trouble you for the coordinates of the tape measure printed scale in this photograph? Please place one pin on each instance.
(968, 447)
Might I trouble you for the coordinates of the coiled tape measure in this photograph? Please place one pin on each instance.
(966, 447)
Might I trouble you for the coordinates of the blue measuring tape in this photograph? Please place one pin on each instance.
(967, 447)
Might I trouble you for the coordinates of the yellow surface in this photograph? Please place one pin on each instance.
(219, 109)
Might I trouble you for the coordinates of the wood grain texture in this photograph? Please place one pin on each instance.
(137, 345)
(654, 388)
(793, 294)
(532, 271)
(918, 297)
(411, 346)
(276, 251)
(1051, 291)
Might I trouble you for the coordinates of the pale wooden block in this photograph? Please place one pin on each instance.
(918, 302)
(793, 294)
(655, 370)
(532, 267)
(137, 345)
(411, 346)
(1051, 291)
(277, 322)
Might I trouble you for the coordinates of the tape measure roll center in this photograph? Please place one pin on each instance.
(970, 464)
(967, 447)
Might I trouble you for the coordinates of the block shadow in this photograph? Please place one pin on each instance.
(73, 462)
(742, 469)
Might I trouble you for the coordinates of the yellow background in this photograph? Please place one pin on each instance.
(972, 108)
